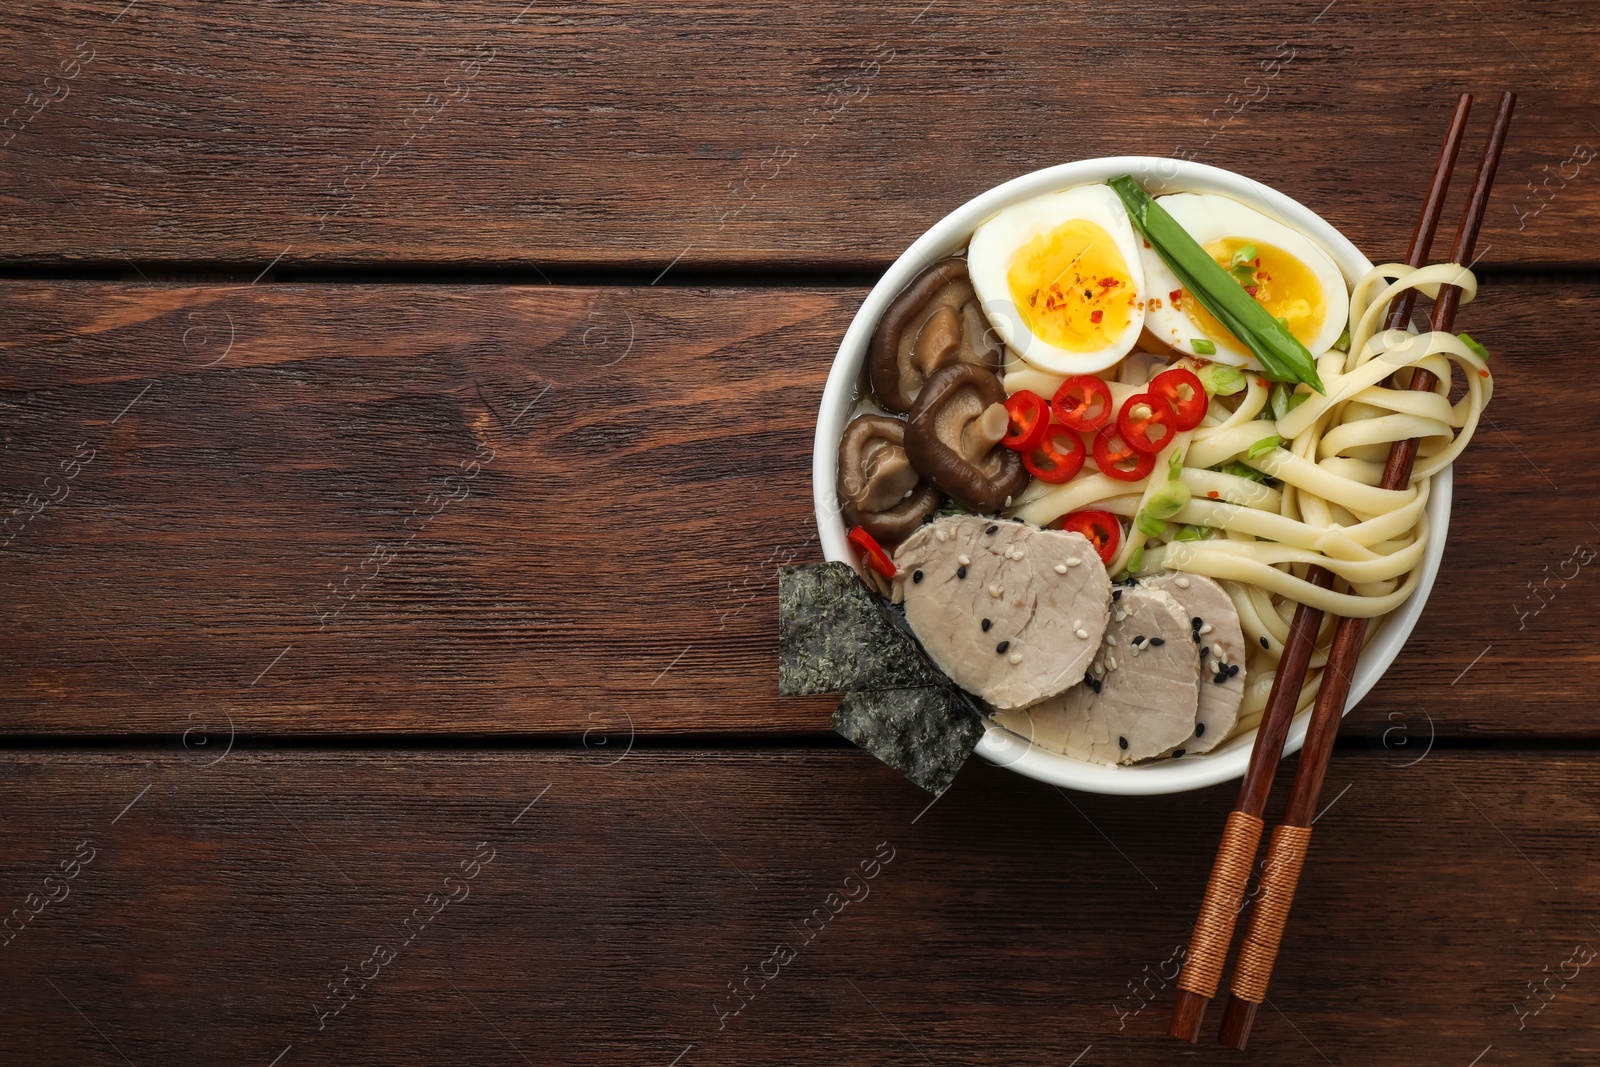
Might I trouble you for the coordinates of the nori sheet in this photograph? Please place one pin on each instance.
(926, 734)
(833, 636)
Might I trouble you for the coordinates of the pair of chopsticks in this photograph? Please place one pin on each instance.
(1224, 897)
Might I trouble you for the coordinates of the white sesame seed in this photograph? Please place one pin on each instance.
(1017, 554)
(1206, 628)
(1073, 561)
(1083, 634)
(1076, 623)
(1015, 657)
(994, 591)
(1181, 583)
(1061, 568)
(965, 561)
(939, 534)
(1111, 661)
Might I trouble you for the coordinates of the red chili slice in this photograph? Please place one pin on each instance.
(1082, 403)
(872, 553)
(1147, 423)
(1112, 455)
(1058, 458)
(1103, 529)
(1182, 390)
(1028, 418)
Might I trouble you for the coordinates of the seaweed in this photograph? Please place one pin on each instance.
(833, 636)
(926, 733)
(836, 635)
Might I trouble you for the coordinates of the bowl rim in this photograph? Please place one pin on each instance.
(950, 234)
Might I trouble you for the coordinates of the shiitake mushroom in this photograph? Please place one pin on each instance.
(878, 485)
(934, 322)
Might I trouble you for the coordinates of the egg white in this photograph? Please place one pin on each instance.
(993, 245)
(1209, 218)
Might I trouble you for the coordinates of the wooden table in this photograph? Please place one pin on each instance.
(416, 404)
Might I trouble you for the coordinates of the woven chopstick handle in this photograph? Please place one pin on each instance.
(1213, 930)
(1286, 854)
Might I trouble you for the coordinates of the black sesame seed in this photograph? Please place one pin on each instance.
(1199, 729)
(1139, 640)
(1116, 594)
(1205, 650)
(1195, 636)
(1122, 742)
(1233, 669)
(1196, 622)
(986, 625)
(1222, 676)
(1002, 646)
(991, 529)
(1157, 642)
(1179, 753)
(961, 571)
(916, 576)
(1265, 643)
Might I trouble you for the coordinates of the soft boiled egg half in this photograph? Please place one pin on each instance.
(1283, 269)
(1060, 279)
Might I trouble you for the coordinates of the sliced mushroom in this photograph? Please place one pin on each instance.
(954, 434)
(934, 322)
(877, 483)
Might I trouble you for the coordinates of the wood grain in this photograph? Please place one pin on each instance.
(615, 560)
(1011, 925)
(715, 134)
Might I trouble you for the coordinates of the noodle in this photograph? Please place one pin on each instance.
(1328, 509)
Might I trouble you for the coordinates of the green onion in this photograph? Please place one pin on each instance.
(1136, 560)
(1149, 525)
(1239, 470)
(1278, 398)
(1284, 399)
(1165, 503)
(1477, 349)
(1343, 343)
(1203, 346)
(1175, 465)
(1281, 354)
(1218, 378)
(1244, 255)
(1262, 447)
(1193, 533)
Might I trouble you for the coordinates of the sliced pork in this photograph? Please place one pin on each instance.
(1214, 629)
(1140, 694)
(1012, 613)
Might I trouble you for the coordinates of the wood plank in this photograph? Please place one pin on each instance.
(645, 470)
(1009, 924)
(781, 135)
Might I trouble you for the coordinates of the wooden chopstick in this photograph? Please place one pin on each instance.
(1224, 897)
(1286, 852)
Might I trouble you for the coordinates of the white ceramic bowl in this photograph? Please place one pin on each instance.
(948, 236)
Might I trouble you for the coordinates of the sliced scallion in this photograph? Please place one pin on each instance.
(1203, 346)
(1164, 503)
(1175, 465)
(1149, 525)
(1262, 447)
(1193, 533)
(1219, 378)
(1476, 349)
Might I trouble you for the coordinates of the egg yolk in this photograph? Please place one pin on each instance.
(1072, 287)
(1280, 282)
